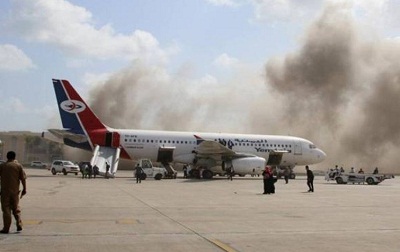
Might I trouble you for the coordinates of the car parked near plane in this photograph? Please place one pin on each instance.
(64, 166)
(39, 164)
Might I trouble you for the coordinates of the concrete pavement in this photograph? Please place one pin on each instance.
(67, 213)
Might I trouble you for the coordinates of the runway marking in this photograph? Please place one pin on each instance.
(32, 222)
(217, 243)
(68, 220)
(38, 222)
(222, 245)
(127, 221)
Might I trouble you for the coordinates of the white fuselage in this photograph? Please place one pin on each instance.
(146, 144)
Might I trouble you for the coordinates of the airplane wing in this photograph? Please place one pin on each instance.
(62, 134)
(218, 151)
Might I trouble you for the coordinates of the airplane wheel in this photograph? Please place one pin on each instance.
(207, 174)
(194, 173)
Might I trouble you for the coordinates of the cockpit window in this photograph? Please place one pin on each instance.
(312, 146)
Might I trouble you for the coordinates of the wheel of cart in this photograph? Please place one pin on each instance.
(339, 180)
(370, 181)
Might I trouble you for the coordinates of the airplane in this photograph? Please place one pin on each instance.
(207, 153)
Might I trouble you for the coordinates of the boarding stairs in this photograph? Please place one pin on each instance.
(171, 172)
(103, 155)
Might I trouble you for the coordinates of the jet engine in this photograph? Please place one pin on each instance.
(245, 165)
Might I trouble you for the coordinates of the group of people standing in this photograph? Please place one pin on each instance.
(337, 171)
(269, 180)
(88, 171)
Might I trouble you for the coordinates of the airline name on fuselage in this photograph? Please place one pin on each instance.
(225, 142)
(262, 149)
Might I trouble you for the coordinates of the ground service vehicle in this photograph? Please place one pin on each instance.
(359, 178)
(64, 166)
(149, 171)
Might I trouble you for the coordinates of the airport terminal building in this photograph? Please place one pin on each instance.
(29, 146)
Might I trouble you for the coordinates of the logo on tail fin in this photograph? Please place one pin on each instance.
(72, 106)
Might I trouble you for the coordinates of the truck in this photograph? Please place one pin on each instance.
(344, 178)
(150, 171)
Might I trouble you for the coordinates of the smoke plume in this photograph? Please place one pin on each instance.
(337, 89)
(345, 87)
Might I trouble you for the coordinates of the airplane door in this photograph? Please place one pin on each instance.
(274, 159)
(165, 154)
(115, 140)
(111, 139)
(108, 140)
(297, 148)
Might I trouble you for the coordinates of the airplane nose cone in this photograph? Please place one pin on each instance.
(321, 155)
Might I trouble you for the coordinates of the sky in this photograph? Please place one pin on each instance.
(325, 70)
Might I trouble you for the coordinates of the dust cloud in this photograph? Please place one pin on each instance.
(343, 89)
(339, 89)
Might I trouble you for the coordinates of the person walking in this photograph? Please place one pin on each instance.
(310, 179)
(82, 168)
(90, 170)
(107, 170)
(185, 172)
(11, 173)
(138, 174)
(231, 172)
(95, 171)
(286, 174)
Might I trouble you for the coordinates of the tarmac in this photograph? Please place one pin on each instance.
(67, 213)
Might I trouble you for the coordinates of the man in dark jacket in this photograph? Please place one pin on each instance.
(138, 173)
(310, 179)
